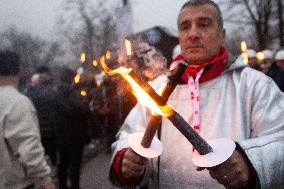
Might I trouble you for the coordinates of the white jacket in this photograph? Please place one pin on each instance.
(21, 153)
(241, 104)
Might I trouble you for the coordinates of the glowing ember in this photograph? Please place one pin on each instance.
(95, 63)
(83, 57)
(260, 56)
(77, 78)
(244, 51)
(83, 93)
(128, 47)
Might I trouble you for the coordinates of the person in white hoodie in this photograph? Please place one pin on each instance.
(219, 96)
(22, 161)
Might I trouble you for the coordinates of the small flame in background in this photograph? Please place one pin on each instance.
(260, 56)
(137, 90)
(83, 57)
(83, 93)
(95, 63)
(244, 51)
(77, 78)
(107, 54)
(128, 47)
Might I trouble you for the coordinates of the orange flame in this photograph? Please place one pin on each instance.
(128, 47)
(138, 91)
(83, 57)
(260, 56)
(77, 78)
(244, 51)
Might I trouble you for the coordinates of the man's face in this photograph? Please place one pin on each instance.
(199, 34)
(280, 64)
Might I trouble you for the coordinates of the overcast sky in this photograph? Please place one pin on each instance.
(38, 16)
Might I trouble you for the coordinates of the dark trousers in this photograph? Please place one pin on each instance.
(70, 158)
(50, 148)
(30, 187)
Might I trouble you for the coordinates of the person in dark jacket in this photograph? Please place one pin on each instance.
(276, 71)
(73, 113)
(43, 94)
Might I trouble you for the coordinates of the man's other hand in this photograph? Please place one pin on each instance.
(133, 165)
(234, 172)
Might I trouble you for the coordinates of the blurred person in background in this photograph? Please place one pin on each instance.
(252, 60)
(44, 96)
(73, 113)
(276, 71)
(266, 63)
(22, 159)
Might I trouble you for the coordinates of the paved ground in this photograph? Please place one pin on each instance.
(94, 170)
(94, 173)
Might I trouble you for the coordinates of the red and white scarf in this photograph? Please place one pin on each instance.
(195, 74)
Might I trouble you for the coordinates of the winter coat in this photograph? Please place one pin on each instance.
(22, 156)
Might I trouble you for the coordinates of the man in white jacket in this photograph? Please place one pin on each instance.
(22, 160)
(221, 97)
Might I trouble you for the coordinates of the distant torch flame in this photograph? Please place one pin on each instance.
(77, 78)
(83, 57)
(260, 56)
(128, 47)
(107, 54)
(137, 90)
(95, 63)
(244, 51)
(83, 93)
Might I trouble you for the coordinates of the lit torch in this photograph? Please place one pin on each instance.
(147, 96)
(260, 56)
(204, 155)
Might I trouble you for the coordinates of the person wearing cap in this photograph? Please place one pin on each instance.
(43, 93)
(22, 162)
(266, 63)
(276, 71)
(252, 61)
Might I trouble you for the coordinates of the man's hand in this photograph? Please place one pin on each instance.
(133, 165)
(233, 173)
(48, 185)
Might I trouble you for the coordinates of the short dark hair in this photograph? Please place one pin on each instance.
(203, 2)
(9, 63)
(43, 69)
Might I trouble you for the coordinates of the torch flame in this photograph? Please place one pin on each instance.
(107, 54)
(138, 91)
(128, 47)
(83, 57)
(77, 78)
(260, 56)
(244, 51)
(95, 63)
(83, 93)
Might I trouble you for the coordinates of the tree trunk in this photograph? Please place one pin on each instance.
(281, 24)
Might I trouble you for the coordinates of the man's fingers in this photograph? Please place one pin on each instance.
(200, 168)
(135, 158)
(129, 172)
(133, 166)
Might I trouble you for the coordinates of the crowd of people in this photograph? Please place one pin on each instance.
(270, 63)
